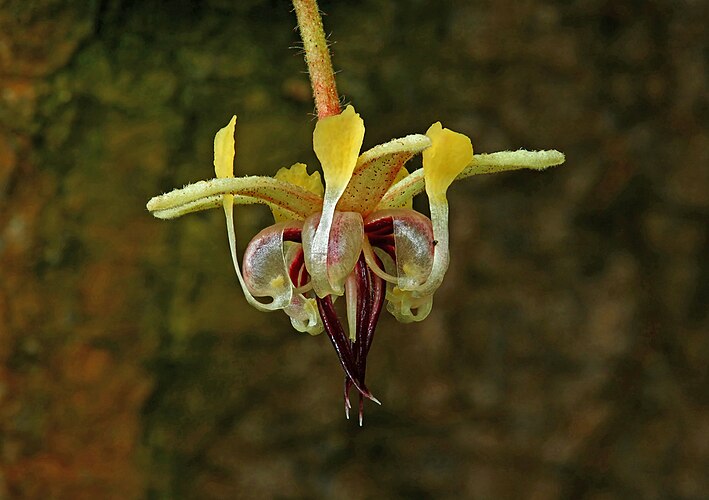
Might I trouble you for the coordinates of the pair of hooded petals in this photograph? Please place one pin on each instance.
(363, 209)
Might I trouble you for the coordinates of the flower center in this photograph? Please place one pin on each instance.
(365, 293)
(368, 261)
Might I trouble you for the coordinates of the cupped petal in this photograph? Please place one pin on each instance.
(406, 307)
(376, 170)
(448, 155)
(413, 244)
(414, 252)
(336, 140)
(304, 315)
(265, 267)
(344, 247)
(302, 310)
(231, 235)
(266, 273)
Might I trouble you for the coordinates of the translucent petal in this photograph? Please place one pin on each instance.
(448, 155)
(413, 237)
(439, 220)
(414, 247)
(265, 266)
(413, 242)
(344, 247)
(224, 169)
(304, 315)
(336, 141)
(406, 308)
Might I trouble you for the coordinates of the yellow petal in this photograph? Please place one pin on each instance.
(448, 155)
(297, 175)
(224, 150)
(403, 174)
(337, 140)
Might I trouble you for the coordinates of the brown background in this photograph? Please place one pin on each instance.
(567, 353)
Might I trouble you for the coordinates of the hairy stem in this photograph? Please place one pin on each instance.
(317, 56)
